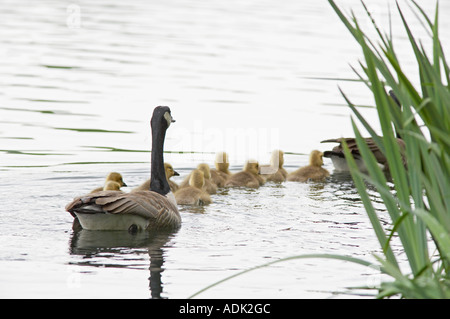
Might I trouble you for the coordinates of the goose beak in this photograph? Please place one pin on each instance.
(175, 173)
(173, 120)
(124, 185)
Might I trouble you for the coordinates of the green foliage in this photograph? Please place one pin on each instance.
(420, 205)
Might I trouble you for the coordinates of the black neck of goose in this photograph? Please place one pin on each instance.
(158, 181)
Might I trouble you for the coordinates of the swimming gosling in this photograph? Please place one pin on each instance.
(113, 177)
(249, 177)
(312, 172)
(209, 186)
(111, 186)
(275, 171)
(193, 194)
(169, 173)
(221, 174)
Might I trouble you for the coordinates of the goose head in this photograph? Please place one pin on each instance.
(252, 167)
(115, 177)
(160, 122)
(170, 171)
(111, 186)
(197, 179)
(162, 118)
(222, 162)
(316, 158)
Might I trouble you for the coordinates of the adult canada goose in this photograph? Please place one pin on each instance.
(338, 158)
(169, 173)
(112, 177)
(150, 209)
(249, 177)
(275, 171)
(209, 186)
(337, 153)
(194, 193)
(220, 174)
(312, 172)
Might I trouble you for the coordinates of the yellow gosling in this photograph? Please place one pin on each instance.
(313, 172)
(193, 194)
(221, 174)
(275, 171)
(169, 173)
(209, 186)
(112, 177)
(248, 177)
(111, 186)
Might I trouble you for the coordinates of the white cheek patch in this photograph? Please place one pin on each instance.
(168, 118)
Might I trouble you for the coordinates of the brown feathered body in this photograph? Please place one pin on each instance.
(338, 158)
(119, 211)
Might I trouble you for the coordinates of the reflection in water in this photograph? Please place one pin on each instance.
(113, 245)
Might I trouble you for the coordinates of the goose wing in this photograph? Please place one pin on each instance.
(147, 204)
(353, 147)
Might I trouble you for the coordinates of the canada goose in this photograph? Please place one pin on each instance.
(193, 194)
(209, 186)
(113, 177)
(169, 173)
(313, 172)
(111, 186)
(275, 171)
(338, 158)
(220, 174)
(248, 177)
(150, 209)
(337, 153)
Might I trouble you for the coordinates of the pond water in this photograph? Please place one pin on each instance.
(79, 81)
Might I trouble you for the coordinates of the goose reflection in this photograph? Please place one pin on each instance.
(92, 244)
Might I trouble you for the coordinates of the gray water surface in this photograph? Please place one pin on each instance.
(78, 83)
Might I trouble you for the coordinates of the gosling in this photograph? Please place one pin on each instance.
(313, 172)
(169, 173)
(209, 186)
(275, 171)
(111, 186)
(221, 174)
(193, 194)
(249, 177)
(113, 177)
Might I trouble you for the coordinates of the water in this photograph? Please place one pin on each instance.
(78, 84)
